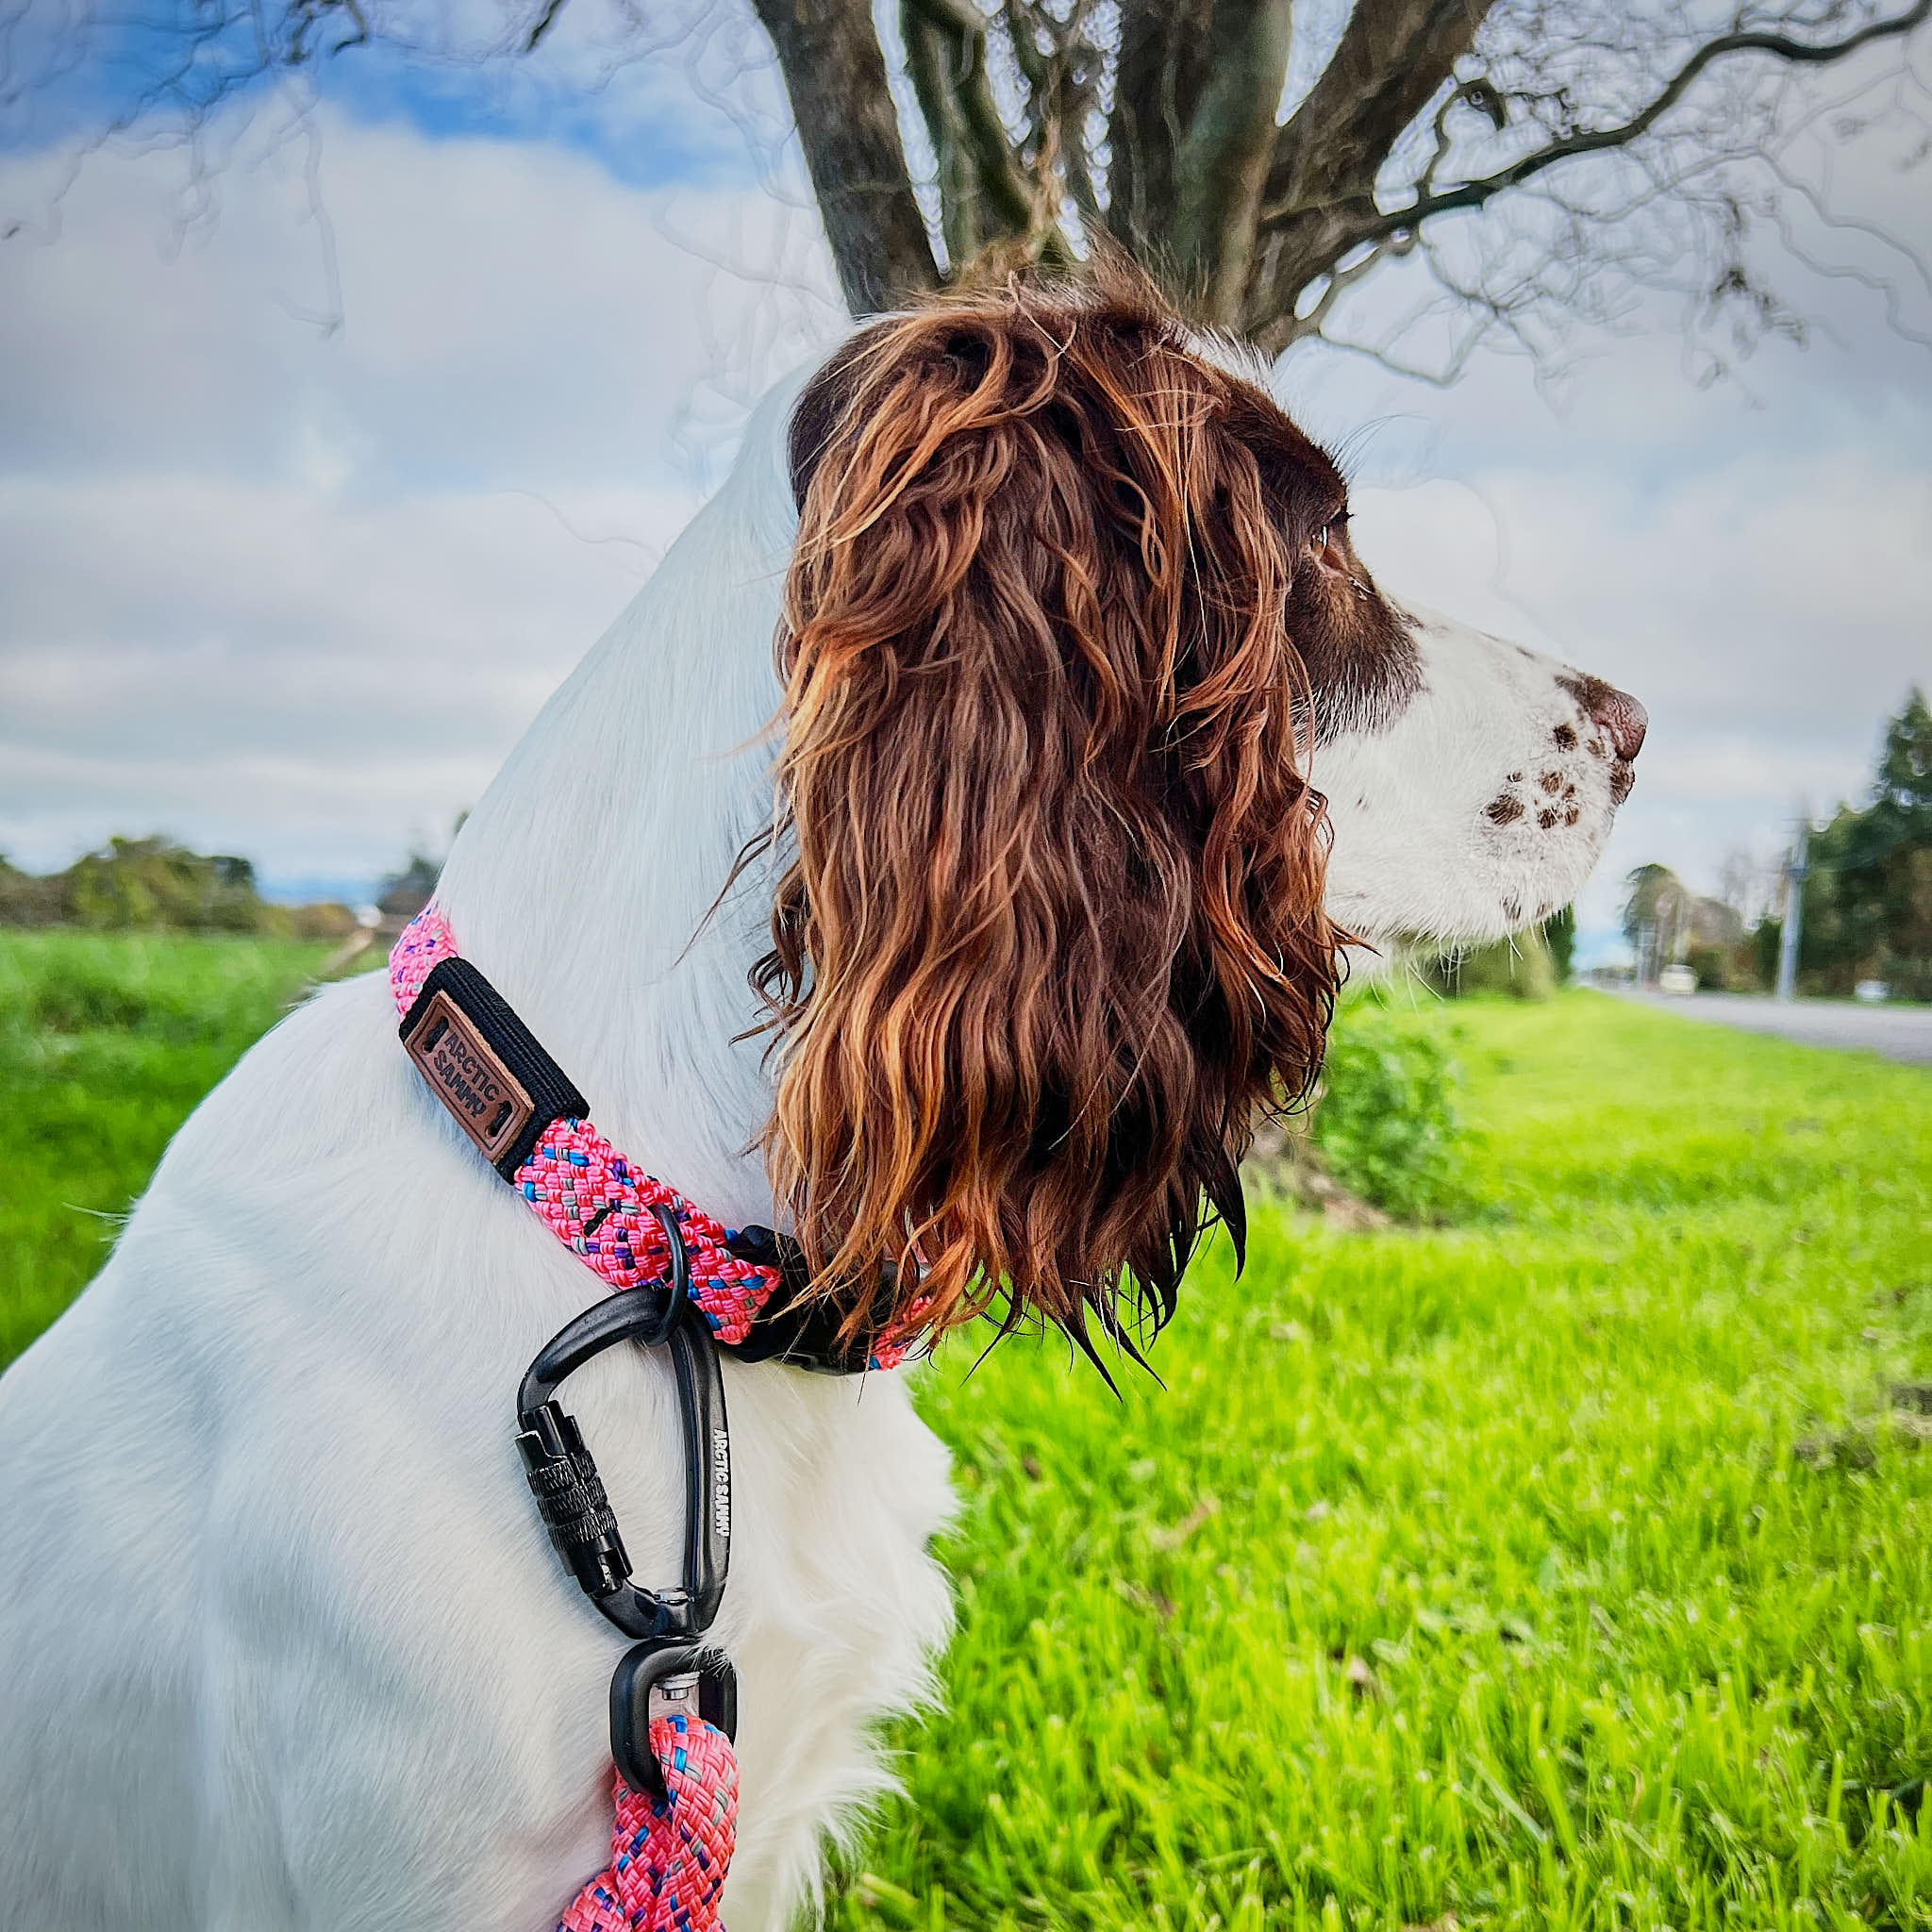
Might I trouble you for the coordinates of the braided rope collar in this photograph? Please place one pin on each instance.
(527, 1118)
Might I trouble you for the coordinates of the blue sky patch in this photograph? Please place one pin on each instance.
(164, 72)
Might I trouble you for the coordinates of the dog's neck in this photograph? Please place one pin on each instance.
(582, 882)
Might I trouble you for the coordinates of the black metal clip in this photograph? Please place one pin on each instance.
(652, 1681)
(570, 1494)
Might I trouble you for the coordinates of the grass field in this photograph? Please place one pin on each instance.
(1572, 1568)
(105, 1044)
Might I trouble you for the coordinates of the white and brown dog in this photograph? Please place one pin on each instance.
(1033, 892)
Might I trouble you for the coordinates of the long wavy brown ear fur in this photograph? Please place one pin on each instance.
(1050, 935)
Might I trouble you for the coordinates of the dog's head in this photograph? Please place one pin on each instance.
(1073, 630)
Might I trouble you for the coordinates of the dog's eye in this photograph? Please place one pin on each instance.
(1325, 545)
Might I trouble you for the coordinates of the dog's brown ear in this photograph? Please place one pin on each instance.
(1050, 933)
(820, 413)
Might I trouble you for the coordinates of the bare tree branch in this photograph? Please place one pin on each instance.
(1344, 278)
(1474, 194)
(1319, 197)
(1062, 66)
(984, 194)
(541, 24)
(836, 76)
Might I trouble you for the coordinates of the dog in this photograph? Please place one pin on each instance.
(972, 933)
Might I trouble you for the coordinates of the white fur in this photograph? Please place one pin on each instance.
(282, 1644)
(1416, 853)
(281, 1641)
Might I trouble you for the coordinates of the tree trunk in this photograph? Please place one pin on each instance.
(1392, 57)
(1224, 156)
(1162, 69)
(836, 76)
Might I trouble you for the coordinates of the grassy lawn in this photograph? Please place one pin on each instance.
(1472, 1574)
(105, 1044)
(1569, 1568)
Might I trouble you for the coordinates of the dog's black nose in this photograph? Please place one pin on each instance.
(1623, 719)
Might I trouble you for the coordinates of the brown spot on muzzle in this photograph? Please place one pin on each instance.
(1500, 811)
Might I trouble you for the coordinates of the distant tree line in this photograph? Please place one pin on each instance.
(1868, 889)
(1868, 893)
(155, 884)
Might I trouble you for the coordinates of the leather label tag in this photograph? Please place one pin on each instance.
(466, 1075)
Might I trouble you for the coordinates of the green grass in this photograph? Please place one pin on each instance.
(1473, 1573)
(1464, 1574)
(105, 1044)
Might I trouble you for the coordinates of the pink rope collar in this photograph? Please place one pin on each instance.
(669, 1855)
(595, 1201)
(599, 1204)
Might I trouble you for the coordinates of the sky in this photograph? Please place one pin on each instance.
(321, 465)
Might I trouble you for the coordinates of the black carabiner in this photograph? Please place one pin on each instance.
(564, 1475)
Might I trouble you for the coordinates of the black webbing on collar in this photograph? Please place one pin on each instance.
(552, 1093)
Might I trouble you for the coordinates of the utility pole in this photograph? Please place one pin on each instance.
(1794, 909)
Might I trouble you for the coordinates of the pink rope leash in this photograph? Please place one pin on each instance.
(668, 1857)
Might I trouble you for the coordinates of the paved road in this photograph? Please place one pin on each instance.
(1900, 1033)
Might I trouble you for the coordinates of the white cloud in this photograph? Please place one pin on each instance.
(296, 595)
(248, 572)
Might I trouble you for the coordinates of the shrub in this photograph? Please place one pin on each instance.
(1712, 966)
(154, 885)
(1386, 1122)
(1523, 967)
(26, 900)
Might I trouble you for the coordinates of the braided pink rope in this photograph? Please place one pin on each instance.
(598, 1204)
(668, 1856)
(594, 1200)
